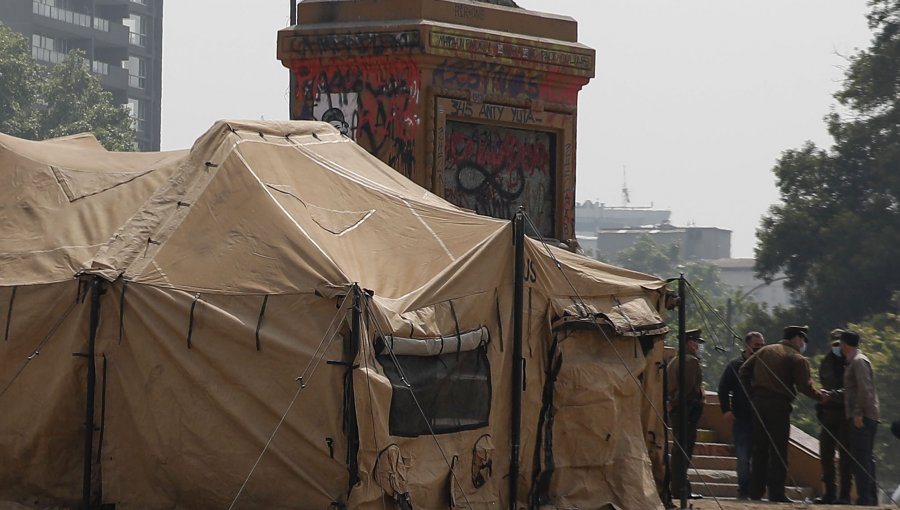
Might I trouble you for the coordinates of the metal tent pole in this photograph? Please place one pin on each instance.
(292, 80)
(96, 292)
(518, 363)
(682, 394)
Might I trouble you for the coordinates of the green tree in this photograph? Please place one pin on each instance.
(20, 82)
(707, 300)
(38, 103)
(880, 334)
(836, 234)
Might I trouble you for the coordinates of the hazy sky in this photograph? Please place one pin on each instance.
(694, 98)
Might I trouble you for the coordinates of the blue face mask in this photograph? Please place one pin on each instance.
(836, 350)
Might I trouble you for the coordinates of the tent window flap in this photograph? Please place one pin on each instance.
(453, 390)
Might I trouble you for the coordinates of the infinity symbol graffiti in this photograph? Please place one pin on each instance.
(469, 172)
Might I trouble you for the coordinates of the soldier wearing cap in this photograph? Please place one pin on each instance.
(774, 375)
(693, 383)
(862, 409)
(833, 434)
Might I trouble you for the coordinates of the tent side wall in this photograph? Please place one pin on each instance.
(42, 393)
(187, 419)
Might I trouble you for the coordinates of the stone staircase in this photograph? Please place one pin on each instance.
(713, 472)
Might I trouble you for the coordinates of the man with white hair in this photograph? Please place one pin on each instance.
(862, 409)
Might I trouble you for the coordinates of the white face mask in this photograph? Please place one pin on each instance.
(803, 347)
(836, 350)
(700, 349)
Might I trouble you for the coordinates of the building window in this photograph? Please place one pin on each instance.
(59, 11)
(137, 28)
(138, 110)
(48, 49)
(137, 72)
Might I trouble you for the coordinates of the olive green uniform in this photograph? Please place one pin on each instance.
(774, 375)
(693, 379)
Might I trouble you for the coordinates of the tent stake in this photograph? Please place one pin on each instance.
(518, 372)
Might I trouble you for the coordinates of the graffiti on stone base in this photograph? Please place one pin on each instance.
(373, 100)
(341, 110)
(370, 43)
(501, 80)
(493, 170)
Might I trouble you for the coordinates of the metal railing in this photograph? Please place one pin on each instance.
(138, 82)
(67, 16)
(137, 39)
(56, 57)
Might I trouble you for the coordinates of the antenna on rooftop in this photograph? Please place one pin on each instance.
(626, 198)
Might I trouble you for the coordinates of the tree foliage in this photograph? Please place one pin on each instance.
(836, 234)
(880, 341)
(38, 103)
(19, 86)
(723, 312)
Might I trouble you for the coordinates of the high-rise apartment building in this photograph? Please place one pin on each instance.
(121, 38)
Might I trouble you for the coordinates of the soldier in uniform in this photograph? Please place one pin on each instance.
(693, 380)
(834, 433)
(774, 375)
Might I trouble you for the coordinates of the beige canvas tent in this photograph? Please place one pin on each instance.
(288, 323)
(60, 201)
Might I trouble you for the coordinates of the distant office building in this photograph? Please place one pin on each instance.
(121, 38)
(591, 217)
(604, 232)
(739, 274)
(694, 242)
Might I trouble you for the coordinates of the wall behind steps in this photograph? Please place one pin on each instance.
(804, 465)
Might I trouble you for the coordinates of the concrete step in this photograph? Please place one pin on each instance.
(709, 449)
(712, 476)
(706, 436)
(715, 462)
(729, 490)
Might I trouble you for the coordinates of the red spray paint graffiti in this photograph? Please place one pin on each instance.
(385, 91)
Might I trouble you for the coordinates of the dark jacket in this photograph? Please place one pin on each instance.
(732, 396)
(831, 377)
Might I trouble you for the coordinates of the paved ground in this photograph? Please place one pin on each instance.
(709, 504)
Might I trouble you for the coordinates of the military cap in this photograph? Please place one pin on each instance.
(850, 338)
(792, 331)
(693, 334)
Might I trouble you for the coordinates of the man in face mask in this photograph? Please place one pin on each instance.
(734, 400)
(834, 433)
(774, 375)
(863, 414)
(693, 388)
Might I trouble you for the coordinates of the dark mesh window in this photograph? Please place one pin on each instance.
(453, 389)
